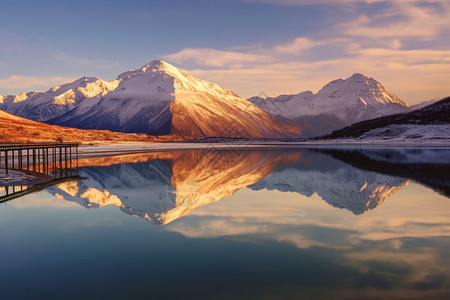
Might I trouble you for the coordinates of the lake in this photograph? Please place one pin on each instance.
(236, 223)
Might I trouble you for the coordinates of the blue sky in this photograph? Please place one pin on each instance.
(249, 46)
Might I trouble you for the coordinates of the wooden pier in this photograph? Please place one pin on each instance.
(46, 158)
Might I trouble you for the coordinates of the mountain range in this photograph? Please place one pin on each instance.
(156, 99)
(161, 99)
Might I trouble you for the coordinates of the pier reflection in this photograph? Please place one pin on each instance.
(30, 168)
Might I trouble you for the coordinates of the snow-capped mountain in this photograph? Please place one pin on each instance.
(43, 106)
(338, 104)
(155, 99)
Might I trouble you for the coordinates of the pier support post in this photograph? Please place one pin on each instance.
(34, 159)
(6, 161)
(20, 159)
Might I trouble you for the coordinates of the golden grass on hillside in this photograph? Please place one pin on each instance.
(14, 129)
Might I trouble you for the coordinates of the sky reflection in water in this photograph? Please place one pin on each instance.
(253, 223)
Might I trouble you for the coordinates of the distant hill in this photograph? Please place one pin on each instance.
(423, 123)
(14, 129)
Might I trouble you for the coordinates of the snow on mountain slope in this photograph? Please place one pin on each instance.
(140, 103)
(337, 104)
(160, 99)
(43, 106)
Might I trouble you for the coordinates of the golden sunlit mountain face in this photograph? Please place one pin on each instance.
(200, 114)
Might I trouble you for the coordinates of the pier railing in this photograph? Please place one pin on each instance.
(47, 158)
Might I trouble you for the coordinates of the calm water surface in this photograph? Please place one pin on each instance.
(242, 224)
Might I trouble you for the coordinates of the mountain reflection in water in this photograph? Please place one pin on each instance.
(164, 186)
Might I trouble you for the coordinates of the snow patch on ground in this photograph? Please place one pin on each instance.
(403, 134)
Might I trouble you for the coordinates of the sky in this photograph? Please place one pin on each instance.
(253, 47)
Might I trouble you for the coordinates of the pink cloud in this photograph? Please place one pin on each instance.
(215, 58)
(26, 83)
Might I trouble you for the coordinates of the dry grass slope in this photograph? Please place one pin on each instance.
(14, 129)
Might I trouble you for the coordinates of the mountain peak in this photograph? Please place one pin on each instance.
(158, 64)
(358, 75)
(363, 79)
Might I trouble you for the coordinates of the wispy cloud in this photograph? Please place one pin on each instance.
(297, 46)
(216, 58)
(336, 2)
(26, 83)
(402, 19)
(242, 56)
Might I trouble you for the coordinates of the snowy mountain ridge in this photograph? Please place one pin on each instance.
(159, 99)
(43, 106)
(339, 103)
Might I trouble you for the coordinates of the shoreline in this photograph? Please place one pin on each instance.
(88, 151)
(25, 178)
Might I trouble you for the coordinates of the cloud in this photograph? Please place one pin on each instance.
(215, 58)
(247, 56)
(28, 82)
(297, 46)
(408, 57)
(207, 57)
(335, 2)
(401, 19)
